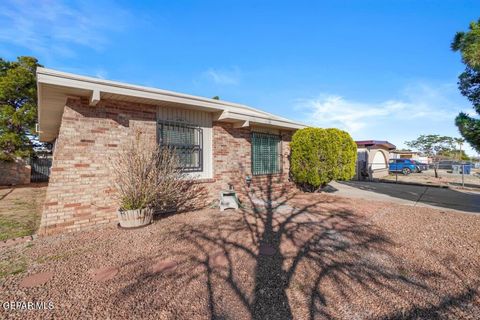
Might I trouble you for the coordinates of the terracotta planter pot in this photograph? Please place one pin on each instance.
(135, 218)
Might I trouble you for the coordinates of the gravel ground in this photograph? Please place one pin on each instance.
(310, 256)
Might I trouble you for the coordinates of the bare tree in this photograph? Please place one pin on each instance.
(146, 175)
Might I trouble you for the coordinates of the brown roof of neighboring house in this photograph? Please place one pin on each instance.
(405, 151)
(378, 143)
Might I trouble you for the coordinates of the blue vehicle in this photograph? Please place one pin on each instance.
(405, 166)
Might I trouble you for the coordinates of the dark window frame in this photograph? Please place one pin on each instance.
(266, 166)
(185, 147)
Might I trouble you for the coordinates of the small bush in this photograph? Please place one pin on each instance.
(146, 175)
(319, 156)
(347, 154)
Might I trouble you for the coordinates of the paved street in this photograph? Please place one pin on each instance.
(467, 201)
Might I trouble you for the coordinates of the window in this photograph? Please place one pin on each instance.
(265, 153)
(186, 140)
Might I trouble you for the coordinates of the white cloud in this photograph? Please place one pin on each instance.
(224, 77)
(101, 73)
(52, 27)
(418, 102)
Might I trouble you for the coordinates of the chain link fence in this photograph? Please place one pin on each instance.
(445, 173)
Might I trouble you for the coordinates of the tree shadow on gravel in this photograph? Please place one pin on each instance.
(286, 256)
(443, 309)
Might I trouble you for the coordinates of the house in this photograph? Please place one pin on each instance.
(221, 144)
(372, 158)
(408, 154)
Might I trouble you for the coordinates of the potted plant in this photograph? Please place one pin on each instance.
(147, 178)
(134, 181)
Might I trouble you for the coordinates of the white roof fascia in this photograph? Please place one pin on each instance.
(252, 119)
(97, 86)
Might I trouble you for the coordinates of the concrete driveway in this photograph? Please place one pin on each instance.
(466, 201)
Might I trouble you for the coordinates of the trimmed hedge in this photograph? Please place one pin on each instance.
(320, 156)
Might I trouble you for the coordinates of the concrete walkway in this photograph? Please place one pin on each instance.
(466, 201)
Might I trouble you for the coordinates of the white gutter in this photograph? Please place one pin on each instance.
(68, 84)
(230, 115)
(54, 77)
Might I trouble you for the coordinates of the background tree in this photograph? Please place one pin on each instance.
(468, 44)
(434, 146)
(18, 106)
(319, 156)
(460, 142)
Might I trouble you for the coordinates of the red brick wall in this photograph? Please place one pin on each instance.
(79, 193)
(232, 162)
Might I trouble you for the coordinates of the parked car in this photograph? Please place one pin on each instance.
(405, 166)
(420, 166)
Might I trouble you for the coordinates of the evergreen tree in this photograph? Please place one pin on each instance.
(468, 44)
(18, 106)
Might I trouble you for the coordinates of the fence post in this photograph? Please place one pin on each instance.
(396, 173)
(463, 172)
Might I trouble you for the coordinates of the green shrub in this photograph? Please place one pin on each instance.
(347, 156)
(320, 156)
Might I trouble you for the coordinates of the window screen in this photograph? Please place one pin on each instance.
(265, 153)
(186, 140)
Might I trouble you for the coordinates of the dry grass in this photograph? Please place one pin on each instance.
(309, 257)
(20, 210)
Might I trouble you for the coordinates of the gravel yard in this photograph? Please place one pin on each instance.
(310, 256)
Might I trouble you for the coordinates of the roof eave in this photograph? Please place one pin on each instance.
(94, 87)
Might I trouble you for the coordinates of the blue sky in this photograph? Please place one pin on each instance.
(378, 69)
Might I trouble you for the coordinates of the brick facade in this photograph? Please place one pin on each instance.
(14, 172)
(79, 193)
(232, 161)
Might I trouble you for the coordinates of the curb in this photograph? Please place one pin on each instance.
(414, 184)
(14, 241)
(428, 185)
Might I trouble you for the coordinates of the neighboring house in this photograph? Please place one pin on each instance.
(88, 119)
(407, 154)
(372, 158)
